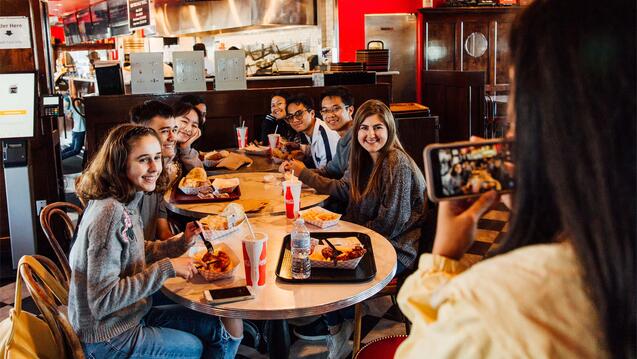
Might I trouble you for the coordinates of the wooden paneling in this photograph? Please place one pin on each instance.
(455, 96)
(226, 109)
(502, 31)
(416, 132)
(440, 40)
(445, 31)
(470, 63)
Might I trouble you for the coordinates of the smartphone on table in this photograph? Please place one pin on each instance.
(227, 295)
(467, 169)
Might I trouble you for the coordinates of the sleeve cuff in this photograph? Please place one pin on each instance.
(183, 151)
(166, 268)
(434, 263)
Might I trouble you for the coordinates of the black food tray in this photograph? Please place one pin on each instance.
(366, 269)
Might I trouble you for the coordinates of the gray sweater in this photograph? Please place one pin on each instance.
(112, 275)
(398, 212)
(328, 179)
(189, 158)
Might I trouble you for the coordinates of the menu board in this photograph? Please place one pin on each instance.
(118, 17)
(84, 23)
(138, 13)
(17, 105)
(99, 21)
(71, 31)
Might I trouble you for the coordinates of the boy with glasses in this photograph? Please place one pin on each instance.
(337, 109)
(311, 130)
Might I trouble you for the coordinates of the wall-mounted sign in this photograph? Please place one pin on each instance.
(15, 32)
(138, 13)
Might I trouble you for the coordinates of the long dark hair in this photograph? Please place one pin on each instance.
(359, 158)
(574, 105)
(105, 175)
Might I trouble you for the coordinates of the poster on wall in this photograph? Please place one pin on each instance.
(14, 32)
(17, 105)
(138, 13)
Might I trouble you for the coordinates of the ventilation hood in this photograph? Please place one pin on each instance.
(181, 17)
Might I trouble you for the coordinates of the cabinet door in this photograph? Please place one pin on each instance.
(474, 45)
(440, 39)
(501, 53)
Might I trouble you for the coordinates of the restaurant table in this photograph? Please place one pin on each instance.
(253, 188)
(280, 300)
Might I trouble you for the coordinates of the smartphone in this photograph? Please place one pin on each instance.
(467, 169)
(227, 295)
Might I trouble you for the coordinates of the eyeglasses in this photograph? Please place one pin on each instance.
(298, 115)
(333, 109)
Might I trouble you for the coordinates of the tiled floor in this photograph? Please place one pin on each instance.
(383, 317)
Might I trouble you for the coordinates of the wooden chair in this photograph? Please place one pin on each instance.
(59, 209)
(48, 288)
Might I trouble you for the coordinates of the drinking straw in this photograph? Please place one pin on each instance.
(276, 128)
(250, 226)
(243, 124)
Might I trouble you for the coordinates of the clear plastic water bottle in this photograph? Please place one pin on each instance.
(300, 246)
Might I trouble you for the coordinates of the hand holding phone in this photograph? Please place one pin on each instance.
(457, 224)
(467, 169)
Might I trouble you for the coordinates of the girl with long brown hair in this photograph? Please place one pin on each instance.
(386, 194)
(387, 189)
(115, 271)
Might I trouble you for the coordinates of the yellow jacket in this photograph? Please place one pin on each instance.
(529, 303)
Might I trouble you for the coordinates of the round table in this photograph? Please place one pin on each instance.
(278, 299)
(253, 189)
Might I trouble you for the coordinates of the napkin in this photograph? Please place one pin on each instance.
(234, 161)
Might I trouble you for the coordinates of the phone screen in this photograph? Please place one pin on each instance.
(226, 293)
(467, 169)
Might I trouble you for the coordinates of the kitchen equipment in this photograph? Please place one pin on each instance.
(397, 33)
(375, 57)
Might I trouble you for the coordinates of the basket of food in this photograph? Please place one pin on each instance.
(221, 263)
(287, 151)
(320, 217)
(225, 185)
(194, 182)
(211, 159)
(217, 226)
(345, 253)
(257, 150)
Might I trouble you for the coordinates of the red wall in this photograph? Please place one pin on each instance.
(58, 33)
(351, 21)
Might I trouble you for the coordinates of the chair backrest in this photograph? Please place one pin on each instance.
(384, 347)
(49, 212)
(46, 284)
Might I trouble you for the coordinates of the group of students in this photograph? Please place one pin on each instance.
(125, 248)
(561, 285)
